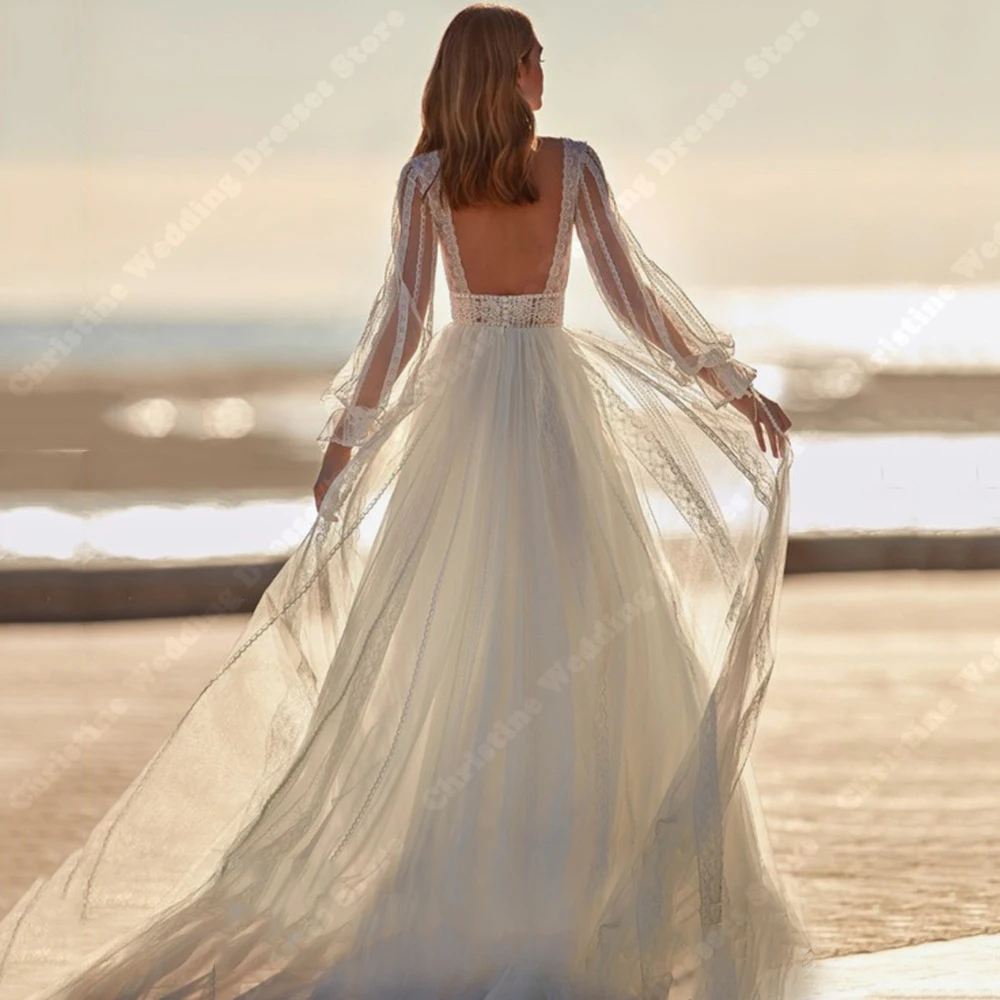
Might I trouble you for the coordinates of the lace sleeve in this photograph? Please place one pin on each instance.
(648, 304)
(401, 319)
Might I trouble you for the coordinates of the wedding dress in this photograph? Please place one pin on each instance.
(486, 733)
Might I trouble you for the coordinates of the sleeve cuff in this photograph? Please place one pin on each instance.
(349, 425)
(732, 380)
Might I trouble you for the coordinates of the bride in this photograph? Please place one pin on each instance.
(486, 733)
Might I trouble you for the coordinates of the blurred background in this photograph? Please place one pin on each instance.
(195, 203)
(813, 176)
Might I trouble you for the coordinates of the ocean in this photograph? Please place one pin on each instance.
(912, 327)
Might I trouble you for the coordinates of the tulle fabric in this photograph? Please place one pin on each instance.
(486, 733)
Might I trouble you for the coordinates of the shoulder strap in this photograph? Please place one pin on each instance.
(441, 217)
(559, 273)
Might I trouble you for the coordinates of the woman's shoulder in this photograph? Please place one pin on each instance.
(565, 140)
(579, 149)
(431, 156)
(422, 167)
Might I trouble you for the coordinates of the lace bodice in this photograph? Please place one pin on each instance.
(539, 309)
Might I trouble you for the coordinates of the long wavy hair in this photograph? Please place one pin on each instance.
(473, 112)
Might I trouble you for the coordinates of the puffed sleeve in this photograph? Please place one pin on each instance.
(646, 303)
(400, 321)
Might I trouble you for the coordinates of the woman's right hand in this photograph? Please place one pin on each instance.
(334, 460)
(756, 407)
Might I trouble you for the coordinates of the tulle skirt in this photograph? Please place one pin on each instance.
(486, 733)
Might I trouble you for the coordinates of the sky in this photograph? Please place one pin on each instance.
(862, 149)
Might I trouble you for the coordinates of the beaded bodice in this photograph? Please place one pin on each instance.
(539, 309)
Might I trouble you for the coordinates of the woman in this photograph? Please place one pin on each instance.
(486, 733)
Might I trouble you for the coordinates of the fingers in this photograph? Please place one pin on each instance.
(784, 423)
(756, 420)
(778, 440)
(772, 429)
(777, 422)
(320, 490)
(767, 417)
(777, 443)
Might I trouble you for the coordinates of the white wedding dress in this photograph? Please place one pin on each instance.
(485, 736)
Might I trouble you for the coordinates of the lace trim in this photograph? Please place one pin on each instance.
(355, 423)
(426, 167)
(449, 241)
(559, 271)
(544, 309)
(735, 378)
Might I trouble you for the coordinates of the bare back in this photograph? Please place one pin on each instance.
(508, 249)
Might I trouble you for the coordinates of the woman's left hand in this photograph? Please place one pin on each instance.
(336, 457)
(756, 408)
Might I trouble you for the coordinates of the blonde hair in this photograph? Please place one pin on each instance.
(473, 112)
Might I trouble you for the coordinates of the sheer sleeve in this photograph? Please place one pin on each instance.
(400, 321)
(648, 304)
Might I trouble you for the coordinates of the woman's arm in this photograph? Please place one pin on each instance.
(400, 318)
(646, 303)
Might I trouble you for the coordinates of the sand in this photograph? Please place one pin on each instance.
(69, 435)
(884, 816)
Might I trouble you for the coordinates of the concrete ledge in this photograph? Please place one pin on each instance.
(106, 592)
(110, 593)
(833, 553)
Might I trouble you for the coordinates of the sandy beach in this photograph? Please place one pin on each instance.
(875, 758)
(95, 431)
